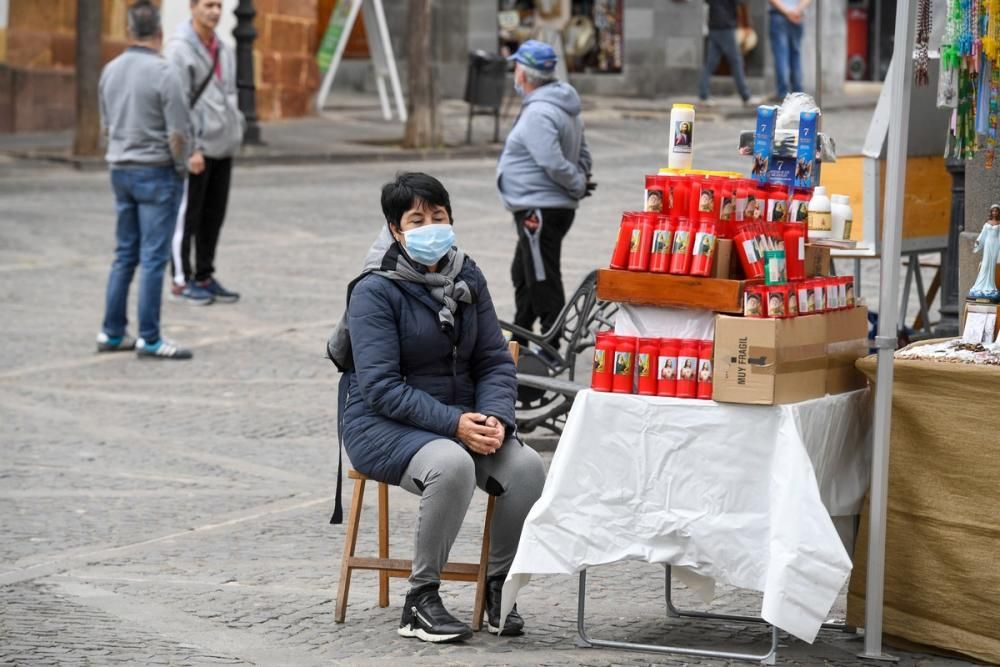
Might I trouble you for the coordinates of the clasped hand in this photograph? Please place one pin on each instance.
(483, 435)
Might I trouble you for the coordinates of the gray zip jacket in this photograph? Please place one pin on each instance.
(545, 160)
(144, 113)
(216, 119)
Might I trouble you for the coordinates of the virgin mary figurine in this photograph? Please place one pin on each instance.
(985, 288)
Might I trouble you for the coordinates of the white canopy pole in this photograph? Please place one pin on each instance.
(892, 222)
(819, 54)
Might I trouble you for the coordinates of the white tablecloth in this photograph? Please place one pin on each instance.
(737, 494)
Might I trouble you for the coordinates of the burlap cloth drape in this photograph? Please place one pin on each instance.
(942, 560)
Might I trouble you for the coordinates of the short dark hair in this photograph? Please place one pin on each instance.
(143, 19)
(409, 190)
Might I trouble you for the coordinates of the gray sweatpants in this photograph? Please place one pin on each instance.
(445, 475)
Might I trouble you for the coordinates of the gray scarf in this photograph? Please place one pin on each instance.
(443, 285)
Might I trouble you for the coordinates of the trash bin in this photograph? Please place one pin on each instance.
(484, 88)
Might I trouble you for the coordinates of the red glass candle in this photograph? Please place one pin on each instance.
(777, 300)
(666, 367)
(604, 354)
(753, 301)
(645, 364)
(832, 293)
(687, 369)
(727, 210)
(653, 202)
(807, 302)
(800, 207)
(663, 240)
(792, 300)
(746, 249)
(819, 295)
(850, 299)
(703, 249)
(642, 242)
(795, 250)
(624, 359)
(680, 196)
(680, 259)
(842, 292)
(620, 257)
(777, 205)
(705, 349)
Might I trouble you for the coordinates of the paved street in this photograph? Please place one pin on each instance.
(176, 513)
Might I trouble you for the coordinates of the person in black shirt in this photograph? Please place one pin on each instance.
(721, 43)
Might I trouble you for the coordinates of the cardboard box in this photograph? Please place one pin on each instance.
(806, 164)
(769, 361)
(724, 256)
(818, 261)
(987, 328)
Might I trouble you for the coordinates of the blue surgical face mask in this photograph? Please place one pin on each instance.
(429, 243)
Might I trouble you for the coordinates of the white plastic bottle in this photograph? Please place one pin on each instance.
(820, 219)
(680, 152)
(842, 216)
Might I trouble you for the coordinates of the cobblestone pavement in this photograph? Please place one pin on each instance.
(176, 513)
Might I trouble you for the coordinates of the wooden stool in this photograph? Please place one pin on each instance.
(394, 567)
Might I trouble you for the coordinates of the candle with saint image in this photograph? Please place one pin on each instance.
(687, 369)
(666, 367)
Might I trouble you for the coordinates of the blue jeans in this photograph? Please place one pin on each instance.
(146, 200)
(723, 43)
(786, 38)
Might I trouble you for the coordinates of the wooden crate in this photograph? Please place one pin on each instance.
(663, 289)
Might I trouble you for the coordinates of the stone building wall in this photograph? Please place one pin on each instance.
(38, 56)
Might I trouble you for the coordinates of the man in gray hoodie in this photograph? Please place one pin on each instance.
(542, 174)
(208, 72)
(145, 120)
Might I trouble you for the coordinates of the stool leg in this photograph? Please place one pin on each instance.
(350, 541)
(383, 542)
(484, 560)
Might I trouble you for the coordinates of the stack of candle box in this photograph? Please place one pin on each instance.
(775, 355)
(653, 366)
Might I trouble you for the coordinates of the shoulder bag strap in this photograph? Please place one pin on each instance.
(208, 79)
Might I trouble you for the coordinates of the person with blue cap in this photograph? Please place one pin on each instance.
(542, 174)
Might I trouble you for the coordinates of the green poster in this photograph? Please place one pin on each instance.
(334, 33)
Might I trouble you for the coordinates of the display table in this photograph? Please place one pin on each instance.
(738, 494)
(942, 572)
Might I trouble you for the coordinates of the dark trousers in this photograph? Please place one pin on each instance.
(202, 214)
(535, 271)
(722, 44)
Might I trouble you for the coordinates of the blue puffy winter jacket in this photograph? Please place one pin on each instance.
(411, 380)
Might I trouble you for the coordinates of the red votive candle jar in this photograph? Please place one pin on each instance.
(663, 240)
(832, 294)
(604, 354)
(680, 259)
(819, 295)
(746, 249)
(807, 302)
(655, 199)
(703, 249)
(645, 363)
(619, 259)
(850, 299)
(623, 369)
(705, 349)
(792, 300)
(777, 300)
(795, 250)
(642, 241)
(666, 367)
(753, 301)
(687, 369)
(727, 210)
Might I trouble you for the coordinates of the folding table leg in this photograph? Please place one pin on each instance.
(585, 640)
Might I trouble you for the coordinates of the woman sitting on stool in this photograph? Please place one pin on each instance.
(430, 405)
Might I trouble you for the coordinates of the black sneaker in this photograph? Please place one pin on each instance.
(425, 618)
(161, 349)
(220, 293)
(515, 624)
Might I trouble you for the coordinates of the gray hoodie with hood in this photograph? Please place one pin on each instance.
(545, 160)
(216, 121)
